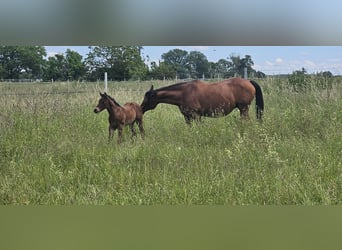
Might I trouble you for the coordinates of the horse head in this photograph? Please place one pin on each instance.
(102, 104)
(150, 100)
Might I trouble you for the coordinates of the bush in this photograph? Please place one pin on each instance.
(299, 81)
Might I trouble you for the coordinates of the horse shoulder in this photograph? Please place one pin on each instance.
(191, 93)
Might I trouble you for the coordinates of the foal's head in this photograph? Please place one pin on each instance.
(104, 102)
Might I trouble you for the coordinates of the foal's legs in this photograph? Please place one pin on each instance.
(111, 133)
(120, 134)
(141, 128)
(132, 129)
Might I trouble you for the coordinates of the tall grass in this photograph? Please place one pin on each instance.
(54, 149)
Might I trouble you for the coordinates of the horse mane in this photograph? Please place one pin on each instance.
(175, 86)
(112, 99)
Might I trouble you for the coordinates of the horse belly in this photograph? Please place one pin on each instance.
(217, 108)
(216, 111)
(130, 118)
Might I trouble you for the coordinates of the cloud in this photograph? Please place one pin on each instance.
(268, 63)
(281, 66)
(310, 63)
(199, 48)
(279, 60)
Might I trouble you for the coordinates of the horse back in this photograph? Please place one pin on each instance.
(133, 111)
(222, 96)
(242, 89)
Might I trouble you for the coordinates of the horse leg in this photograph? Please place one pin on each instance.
(187, 115)
(141, 128)
(243, 111)
(120, 134)
(188, 119)
(132, 129)
(110, 133)
(198, 119)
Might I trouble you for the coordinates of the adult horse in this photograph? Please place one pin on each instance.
(119, 116)
(196, 98)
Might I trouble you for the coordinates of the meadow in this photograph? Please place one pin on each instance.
(54, 149)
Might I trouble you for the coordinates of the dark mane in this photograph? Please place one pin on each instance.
(175, 86)
(112, 99)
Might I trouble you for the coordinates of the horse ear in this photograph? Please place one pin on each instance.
(151, 88)
(100, 94)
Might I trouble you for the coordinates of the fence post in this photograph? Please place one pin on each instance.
(105, 82)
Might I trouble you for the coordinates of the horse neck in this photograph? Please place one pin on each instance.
(113, 108)
(169, 96)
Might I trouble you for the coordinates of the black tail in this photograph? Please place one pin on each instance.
(259, 100)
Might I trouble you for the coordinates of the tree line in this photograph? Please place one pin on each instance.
(120, 63)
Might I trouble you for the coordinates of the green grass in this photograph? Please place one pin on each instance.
(54, 149)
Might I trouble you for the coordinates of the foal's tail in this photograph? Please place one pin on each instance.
(259, 99)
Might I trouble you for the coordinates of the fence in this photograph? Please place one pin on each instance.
(21, 80)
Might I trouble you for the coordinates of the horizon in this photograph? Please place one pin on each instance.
(271, 60)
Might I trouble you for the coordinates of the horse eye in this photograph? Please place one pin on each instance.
(151, 94)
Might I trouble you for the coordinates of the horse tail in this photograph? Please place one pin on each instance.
(259, 99)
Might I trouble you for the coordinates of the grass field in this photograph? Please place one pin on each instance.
(54, 149)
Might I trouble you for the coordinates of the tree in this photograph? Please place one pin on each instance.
(224, 68)
(137, 69)
(198, 64)
(325, 74)
(177, 58)
(21, 61)
(212, 69)
(162, 71)
(247, 62)
(2, 71)
(56, 68)
(120, 62)
(75, 68)
(239, 65)
(235, 65)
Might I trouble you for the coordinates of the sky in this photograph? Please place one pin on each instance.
(268, 59)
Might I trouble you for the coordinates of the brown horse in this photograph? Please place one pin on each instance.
(196, 98)
(120, 116)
